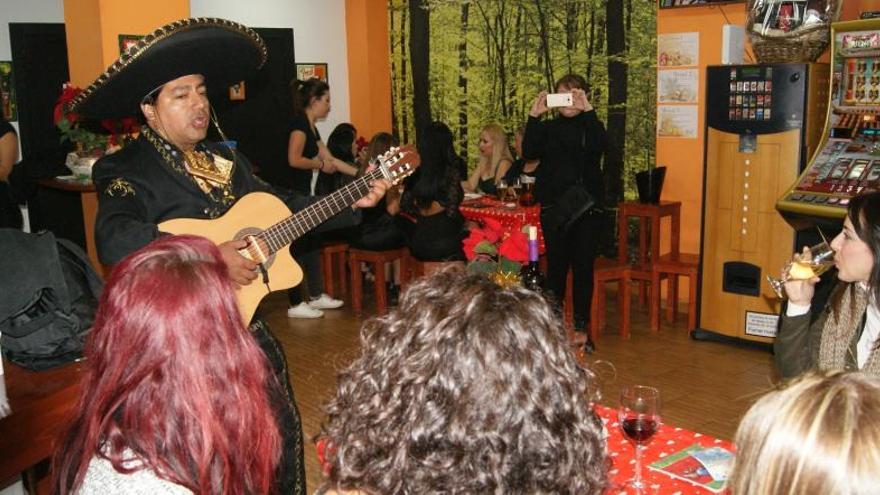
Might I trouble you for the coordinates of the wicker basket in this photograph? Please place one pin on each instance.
(802, 44)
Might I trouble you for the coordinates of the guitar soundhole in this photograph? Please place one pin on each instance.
(252, 234)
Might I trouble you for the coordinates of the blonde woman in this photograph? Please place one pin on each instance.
(820, 434)
(495, 160)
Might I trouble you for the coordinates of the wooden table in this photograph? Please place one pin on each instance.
(89, 201)
(41, 404)
(511, 215)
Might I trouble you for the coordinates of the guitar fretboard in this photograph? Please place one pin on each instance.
(293, 227)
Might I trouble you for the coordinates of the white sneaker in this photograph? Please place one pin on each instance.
(303, 310)
(325, 302)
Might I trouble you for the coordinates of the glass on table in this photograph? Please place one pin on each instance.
(639, 417)
(804, 266)
(501, 189)
(527, 190)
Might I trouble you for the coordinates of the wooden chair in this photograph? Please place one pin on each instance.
(412, 268)
(338, 249)
(684, 264)
(607, 270)
(378, 259)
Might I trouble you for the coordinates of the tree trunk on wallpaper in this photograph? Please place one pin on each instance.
(395, 90)
(617, 94)
(591, 43)
(404, 82)
(545, 45)
(419, 30)
(571, 23)
(463, 85)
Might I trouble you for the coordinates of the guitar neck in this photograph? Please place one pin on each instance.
(295, 226)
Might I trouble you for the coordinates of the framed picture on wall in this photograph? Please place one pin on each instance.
(126, 41)
(8, 108)
(237, 91)
(308, 71)
(668, 4)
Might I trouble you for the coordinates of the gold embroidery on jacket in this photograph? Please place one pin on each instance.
(119, 187)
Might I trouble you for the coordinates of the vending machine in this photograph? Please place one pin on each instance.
(762, 124)
(848, 161)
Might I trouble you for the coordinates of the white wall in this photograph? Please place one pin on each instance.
(25, 11)
(318, 36)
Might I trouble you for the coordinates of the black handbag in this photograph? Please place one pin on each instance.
(574, 203)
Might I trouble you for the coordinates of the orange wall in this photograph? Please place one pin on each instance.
(684, 157)
(93, 28)
(369, 65)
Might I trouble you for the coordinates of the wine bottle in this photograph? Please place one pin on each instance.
(531, 275)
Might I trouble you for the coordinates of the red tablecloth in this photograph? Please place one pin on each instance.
(512, 216)
(668, 440)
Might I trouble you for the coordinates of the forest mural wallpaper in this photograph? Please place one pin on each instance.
(473, 62)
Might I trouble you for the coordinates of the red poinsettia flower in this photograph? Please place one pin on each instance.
(515, 247)
(361, 143)
(492, 229)
(68, 93)
(469, 245)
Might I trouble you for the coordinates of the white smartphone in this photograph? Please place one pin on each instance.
(559, 100)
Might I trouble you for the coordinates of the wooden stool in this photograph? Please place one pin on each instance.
(327, 251)
(649, 216)
(605, 270)
(378, 258)
(685, 264)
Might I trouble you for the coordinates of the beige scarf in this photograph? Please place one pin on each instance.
(841, 329)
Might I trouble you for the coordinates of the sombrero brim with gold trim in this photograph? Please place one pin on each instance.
(224, 52)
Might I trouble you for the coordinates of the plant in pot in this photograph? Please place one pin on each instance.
(91, 140)
(495, 252)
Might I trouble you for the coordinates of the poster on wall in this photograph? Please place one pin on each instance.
(127, 41)
(677, 121)
(677, 86)
(8, 108)
(308, 71)
(678, 49)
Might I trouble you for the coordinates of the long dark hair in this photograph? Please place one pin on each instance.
(302, 93)
(864, 213)
(340, 141)
(174, 376)
(437, 179)
(465, 387)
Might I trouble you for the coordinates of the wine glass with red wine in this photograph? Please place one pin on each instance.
(639, 417)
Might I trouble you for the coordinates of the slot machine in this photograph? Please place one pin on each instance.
(762, 124)
(848, 160)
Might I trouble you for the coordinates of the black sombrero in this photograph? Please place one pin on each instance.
(224, 52)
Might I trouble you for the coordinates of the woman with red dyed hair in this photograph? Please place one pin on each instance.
(174, 398)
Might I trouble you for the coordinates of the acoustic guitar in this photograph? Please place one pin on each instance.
(268, 226)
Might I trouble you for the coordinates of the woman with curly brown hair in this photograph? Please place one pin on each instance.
(464, 388)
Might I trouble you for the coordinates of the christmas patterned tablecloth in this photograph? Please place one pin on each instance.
(668, 440)
(511, 215)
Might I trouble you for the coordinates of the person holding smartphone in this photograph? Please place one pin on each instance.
(570, 147)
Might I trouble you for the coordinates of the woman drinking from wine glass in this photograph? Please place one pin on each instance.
(843, 335)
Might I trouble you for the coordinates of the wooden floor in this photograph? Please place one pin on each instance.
(705, 386)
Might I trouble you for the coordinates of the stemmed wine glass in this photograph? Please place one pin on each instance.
(804, 266)
(639, 417)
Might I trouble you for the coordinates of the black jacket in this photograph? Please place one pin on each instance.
(569, 149)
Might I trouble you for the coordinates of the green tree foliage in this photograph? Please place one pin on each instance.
(512, 50)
